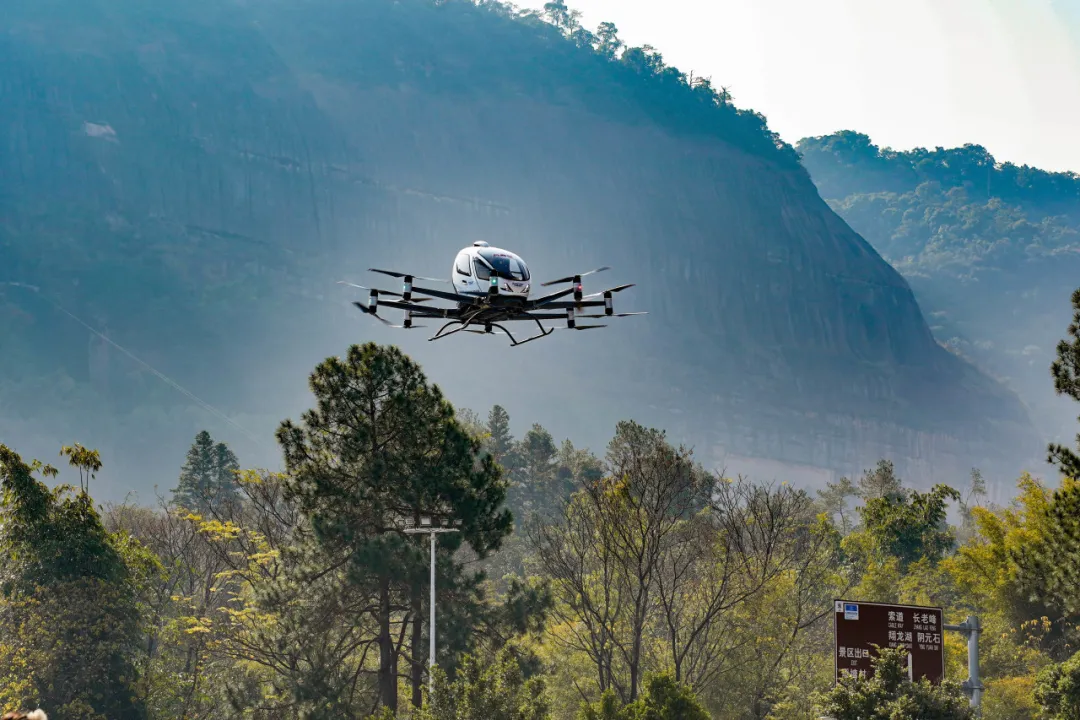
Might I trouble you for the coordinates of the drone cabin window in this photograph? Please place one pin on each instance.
(507, 266)
(482, 273)
(463, 264)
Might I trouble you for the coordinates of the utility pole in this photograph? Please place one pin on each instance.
(971, 629)
(432, 529)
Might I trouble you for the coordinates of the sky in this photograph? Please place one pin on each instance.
(1004, 74)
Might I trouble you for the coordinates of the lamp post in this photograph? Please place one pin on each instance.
(432, 529)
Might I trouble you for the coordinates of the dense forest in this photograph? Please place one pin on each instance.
(991, 249)
(628, 586)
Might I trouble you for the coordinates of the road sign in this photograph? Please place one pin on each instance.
(860, 626)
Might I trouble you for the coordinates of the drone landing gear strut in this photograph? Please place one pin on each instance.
(515, 343)
(440, 334)
(464, 325)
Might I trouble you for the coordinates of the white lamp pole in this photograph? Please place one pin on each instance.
(426, 526)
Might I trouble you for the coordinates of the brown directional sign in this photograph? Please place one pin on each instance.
(860, 626)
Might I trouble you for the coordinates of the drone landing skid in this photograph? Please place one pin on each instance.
(514, 342)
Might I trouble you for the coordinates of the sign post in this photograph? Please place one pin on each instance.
(971, 628)
(860, 626)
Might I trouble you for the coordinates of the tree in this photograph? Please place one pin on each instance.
(500, 440)
(748, 538)
(208, 475)
(976, 492)
(606, 555)
(495, 690)
(535, 474)
(1066, 373)
(181, 672)
(68, 615)
(88, 463)
(1049, 568)
(608, 42)
(996, 569)
(911, 526)
(888, 695)
(651, 562)
(881, 482)
(1057, 690)
(834, 501)
(381, 447)
(663, 698)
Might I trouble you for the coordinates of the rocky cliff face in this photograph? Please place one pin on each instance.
(198, 177)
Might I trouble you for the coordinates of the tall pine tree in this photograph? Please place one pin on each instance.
(1066, 373)
(500, 441)
(382, 446)
(208, 475)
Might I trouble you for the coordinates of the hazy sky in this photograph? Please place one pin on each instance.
(1001, 73)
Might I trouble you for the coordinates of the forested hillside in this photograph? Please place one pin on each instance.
(191, 179)
(992, 250)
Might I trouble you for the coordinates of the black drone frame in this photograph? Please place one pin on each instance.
(489, 310)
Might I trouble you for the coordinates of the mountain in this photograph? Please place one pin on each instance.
(183, 184)
(992, 250)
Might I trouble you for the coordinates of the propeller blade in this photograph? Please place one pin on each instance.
(396, 274)
(620, 288)
(604, 315)
(383, 292)
(368, 311)
(571, 278)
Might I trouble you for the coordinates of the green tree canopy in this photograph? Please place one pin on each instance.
(69, 623)
(911, 526)
(1057, 690)
(492, 690)
(662, 698)
(888, 695)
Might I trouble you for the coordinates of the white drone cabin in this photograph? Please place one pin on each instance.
(478, 267)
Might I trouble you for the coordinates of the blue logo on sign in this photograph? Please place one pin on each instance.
(851, 611)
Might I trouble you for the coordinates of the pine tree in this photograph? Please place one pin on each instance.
(881, 482)
(1066, 373)
(382, 446)
(208, 475)
(534, 473)
(500, 441)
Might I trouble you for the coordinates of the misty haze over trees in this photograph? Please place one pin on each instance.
(188, 177)
(180, 216)
(991, 249)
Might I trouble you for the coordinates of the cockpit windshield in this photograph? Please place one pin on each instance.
(506, 265)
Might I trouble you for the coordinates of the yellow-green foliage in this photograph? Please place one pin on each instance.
(62, 647)
(983, 568)
(1010, 698)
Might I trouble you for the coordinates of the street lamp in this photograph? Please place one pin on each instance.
(432, 529)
